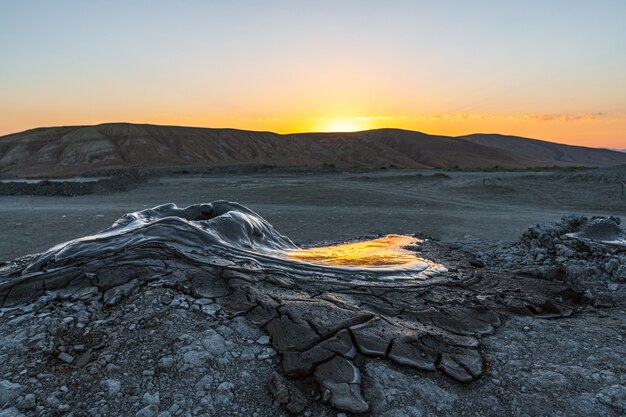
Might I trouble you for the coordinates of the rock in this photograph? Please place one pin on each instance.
(192, 358)
(29, 402)
(53, 401)
(204, 383)
(210, 310)
(213, 343)
(8, 391)
(112, 386)
(263, 340)
(85, 293)
(148, 411)
(287, 395)
(340, 382)
(11, 412)
(225, 386)
(149, 398)
(116, 294)
(66, 357)
(166, 362)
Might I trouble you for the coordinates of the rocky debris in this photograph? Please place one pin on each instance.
(586, 253)
(286, 394)
(131, 372)
(149, 325)
(109, 182)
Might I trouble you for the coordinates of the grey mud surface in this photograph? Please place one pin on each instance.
(166, 350)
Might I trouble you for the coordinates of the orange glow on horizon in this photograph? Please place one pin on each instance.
(592, 130)
(341, 125)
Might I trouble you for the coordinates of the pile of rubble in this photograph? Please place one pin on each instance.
(587, 253)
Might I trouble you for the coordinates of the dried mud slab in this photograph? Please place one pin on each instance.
(427, 314)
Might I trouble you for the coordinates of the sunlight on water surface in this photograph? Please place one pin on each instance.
(387, 251)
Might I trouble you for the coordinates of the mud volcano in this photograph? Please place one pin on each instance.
(416, 302)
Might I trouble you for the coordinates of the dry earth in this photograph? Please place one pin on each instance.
(137, 350)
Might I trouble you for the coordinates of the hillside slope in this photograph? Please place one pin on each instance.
(72, 150)
(542, 153)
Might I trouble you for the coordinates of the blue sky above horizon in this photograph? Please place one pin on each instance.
(553, 70)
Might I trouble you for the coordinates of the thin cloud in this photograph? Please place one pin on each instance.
(549, 117)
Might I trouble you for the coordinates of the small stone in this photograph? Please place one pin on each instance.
(66, 357)
(263, 340)
(8, 391)
(113, 387)
(526, 328)
(612, 286)
(213, 343)
(28, 402)
(225, 386)
(151, 398)
(116, 294)
(166, 362)
(53, 401)
(211, 309)
(10, 412)
(148, 411)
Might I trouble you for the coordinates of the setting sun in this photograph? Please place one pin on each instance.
(341, 125)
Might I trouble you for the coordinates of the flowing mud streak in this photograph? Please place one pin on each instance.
(426, 315)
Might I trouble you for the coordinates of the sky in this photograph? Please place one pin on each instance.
(553, 70)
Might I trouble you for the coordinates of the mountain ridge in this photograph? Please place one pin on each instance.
(73, 150)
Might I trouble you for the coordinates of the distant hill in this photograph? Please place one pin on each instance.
(72, 150)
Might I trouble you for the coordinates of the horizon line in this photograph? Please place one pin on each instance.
(307, 132)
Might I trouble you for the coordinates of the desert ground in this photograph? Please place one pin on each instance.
(151, 350)
(312, 207)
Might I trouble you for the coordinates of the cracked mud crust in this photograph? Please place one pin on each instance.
(190, 296)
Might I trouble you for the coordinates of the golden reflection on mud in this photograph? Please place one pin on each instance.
(387, 251)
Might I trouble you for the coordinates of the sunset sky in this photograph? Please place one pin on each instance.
(553, 70)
